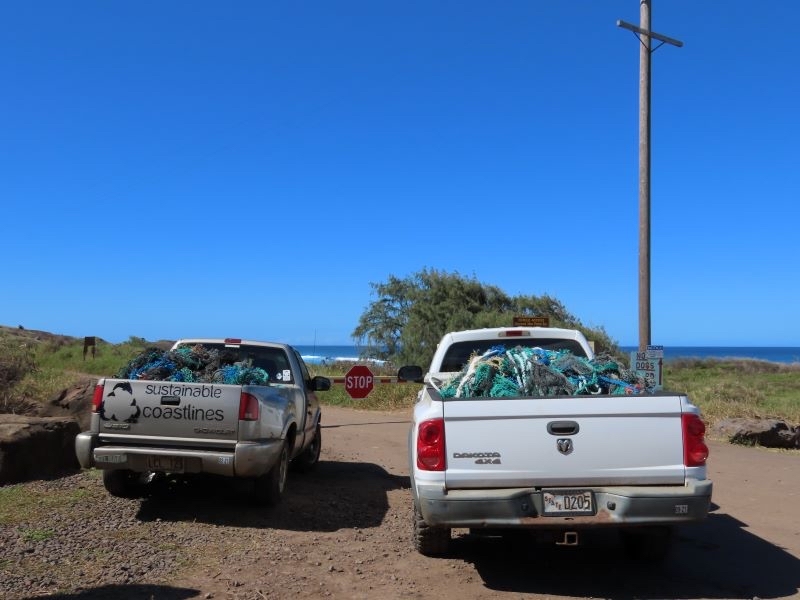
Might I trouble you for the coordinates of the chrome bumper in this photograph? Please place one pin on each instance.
(524, 507)
(244, 459)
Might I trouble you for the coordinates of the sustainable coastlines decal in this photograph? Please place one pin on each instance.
(121, 406)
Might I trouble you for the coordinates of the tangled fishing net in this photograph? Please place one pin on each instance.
(195, 364)
(521, 371)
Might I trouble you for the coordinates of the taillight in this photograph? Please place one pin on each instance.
(97, 398)
(430, 446)
(248, 407)
(695, 451)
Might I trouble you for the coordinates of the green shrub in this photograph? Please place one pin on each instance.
(16, 362)
(33, 371)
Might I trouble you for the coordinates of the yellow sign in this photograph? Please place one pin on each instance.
(531, 321)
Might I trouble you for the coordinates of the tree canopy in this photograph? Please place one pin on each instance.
(410, 315)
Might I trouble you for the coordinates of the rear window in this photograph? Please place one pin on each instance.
(459, 353)
(272, 360)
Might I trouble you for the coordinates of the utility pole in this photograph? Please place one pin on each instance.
(645, 35)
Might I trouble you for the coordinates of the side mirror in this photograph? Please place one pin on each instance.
(320, 384)
(410, 373)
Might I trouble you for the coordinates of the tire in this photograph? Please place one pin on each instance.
(309, 458)
(268, 489)
(649, 545)
(428, 540)
(123, 483)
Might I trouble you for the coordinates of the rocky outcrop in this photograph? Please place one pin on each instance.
(769, 433)
(36, 447)
(74, 401)
(40, 446)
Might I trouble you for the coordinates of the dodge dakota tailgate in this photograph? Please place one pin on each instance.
(564, 441)
(136, 411)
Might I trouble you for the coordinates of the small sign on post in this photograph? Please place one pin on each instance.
(531, 321)
(88, 342)
(648, 365)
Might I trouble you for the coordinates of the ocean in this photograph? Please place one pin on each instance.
(314, 355)
(777, 354)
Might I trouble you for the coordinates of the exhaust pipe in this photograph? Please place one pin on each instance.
(570, 539)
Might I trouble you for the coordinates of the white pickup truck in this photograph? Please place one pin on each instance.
(583, 452)
(161, 420)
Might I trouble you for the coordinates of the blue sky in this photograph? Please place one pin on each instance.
(178, 168)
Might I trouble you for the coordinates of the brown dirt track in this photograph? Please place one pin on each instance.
(343, 531)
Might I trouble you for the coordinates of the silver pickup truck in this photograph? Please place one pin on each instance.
(161, 420)
(503, 442)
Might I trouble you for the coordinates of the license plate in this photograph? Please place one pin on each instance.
(172, 464)
(568, 502)
(110, 458)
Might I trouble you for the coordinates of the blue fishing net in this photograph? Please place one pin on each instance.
(196, 364)
(237, 374)
(537, 372)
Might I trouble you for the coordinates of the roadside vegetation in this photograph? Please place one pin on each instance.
(34, 368)
(32, 372)
(401, 326)
(738, 388)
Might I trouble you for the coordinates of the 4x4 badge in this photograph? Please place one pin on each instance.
(564, 446)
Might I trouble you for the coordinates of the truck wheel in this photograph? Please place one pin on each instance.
(310, 456)
(428, 540)
(647, 545)
(123, 483)
(268, 489)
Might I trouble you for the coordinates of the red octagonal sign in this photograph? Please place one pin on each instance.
(358, 381)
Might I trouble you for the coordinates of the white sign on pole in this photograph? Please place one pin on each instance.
(648, 368)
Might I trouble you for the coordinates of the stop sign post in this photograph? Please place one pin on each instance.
(358, 382)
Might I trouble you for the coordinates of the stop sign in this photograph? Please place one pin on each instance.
(358, 381)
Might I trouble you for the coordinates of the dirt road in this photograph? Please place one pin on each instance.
(749, 547)
(343, 531)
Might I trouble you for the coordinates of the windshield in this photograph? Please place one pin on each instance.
(460, 352)
(272, 360)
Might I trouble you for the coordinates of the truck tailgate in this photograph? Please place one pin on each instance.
(563, 441)
(139, 410)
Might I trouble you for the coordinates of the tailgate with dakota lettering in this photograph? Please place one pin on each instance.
(564, 441)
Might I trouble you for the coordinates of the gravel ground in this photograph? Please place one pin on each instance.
(343, 532)
(87, 539)
(208, 536)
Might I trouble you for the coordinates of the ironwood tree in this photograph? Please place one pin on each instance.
(410, 315)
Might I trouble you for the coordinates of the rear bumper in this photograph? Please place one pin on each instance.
(523, 507)
(244, 459)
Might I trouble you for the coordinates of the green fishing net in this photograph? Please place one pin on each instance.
(537, 372)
